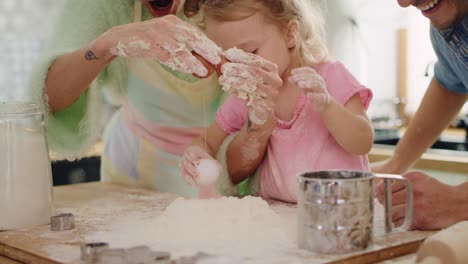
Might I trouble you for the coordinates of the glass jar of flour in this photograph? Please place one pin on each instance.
(25, 169)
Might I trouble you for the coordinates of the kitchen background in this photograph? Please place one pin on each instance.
(362, 34)
(372, 38)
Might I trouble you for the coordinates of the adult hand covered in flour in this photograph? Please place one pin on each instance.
(167, 39)
(308, 79)
(253, 79)
(198, 167)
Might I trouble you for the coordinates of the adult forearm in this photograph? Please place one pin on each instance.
(71, 74)
(246, 151)
(463, 189)
(437, 109)
(351, 131)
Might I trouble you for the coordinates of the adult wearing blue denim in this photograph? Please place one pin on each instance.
(436, 205)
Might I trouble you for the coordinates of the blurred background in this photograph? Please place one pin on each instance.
(372, 38)
(24, 28)
(385, 46)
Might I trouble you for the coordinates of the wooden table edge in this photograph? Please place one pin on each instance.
(382, 254)
(23, 256)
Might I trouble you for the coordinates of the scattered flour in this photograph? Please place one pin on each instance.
(227, 226)
(66, 253)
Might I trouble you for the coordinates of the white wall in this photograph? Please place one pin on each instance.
(368, 48)
(420, 56)
(24, 27)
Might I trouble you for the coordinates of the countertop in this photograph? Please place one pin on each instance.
(433, 159)
(454, 161)
(95, 204)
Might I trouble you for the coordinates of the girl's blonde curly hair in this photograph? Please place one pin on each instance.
(311, 43)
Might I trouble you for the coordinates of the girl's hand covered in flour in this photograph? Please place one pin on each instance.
(253, 79)
(194, 162)
(308, 79)
(167, 39)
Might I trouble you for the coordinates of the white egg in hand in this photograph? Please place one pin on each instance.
(208, 171)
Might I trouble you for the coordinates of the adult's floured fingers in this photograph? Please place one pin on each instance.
(208, 50)
(233, 69)
(198, 42)
(180, 59)
(240, 56)
(209, 67)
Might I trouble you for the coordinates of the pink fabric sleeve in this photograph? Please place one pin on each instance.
(342, 85)
(232, 115)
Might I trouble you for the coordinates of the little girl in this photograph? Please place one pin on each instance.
(292, 109)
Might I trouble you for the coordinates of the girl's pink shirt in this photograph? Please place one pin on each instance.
(302, 143)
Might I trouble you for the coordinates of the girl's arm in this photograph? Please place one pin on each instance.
(349, 125)
(211, 140)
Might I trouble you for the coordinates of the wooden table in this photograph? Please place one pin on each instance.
(95, 203)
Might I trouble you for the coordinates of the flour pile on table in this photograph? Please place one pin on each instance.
(227, 226)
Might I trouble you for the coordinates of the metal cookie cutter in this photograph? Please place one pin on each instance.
(62, 222)
(90, 250)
